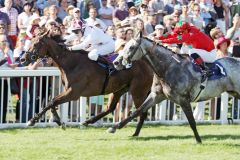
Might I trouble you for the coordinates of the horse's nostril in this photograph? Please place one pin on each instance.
(116, 63)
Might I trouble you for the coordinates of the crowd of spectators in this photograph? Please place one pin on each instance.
(121, 19)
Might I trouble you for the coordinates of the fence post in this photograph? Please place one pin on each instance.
(64, 111)
(163, 106)
(83, 103)
(224, 108)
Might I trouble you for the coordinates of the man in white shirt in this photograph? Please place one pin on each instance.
(105, 13)
(93, 18)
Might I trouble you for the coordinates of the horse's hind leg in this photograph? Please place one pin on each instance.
(62, 98)
(111, 108)
(186, 107)
(57, 119)
(148, 103)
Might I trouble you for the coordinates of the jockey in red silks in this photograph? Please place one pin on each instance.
(201, 47)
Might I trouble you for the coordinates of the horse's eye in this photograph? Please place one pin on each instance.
(131, 48)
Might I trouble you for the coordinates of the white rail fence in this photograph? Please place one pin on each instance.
(39, 86)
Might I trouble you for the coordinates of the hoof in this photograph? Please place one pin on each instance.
(84, 124)
(111, 130)
(135, 135)
(30, 123)
(63, 126)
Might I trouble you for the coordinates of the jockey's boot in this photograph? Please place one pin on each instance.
(199, 61)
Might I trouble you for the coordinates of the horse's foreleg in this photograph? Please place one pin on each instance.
(148, 103)
(186, 107)
(62, 98)
(143, 116)
(111, 108)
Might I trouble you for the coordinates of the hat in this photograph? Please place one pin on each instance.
(132, 9)
(159, 26)
(119, 45)
(125, 23)
(222, 40)
(70, 7)
(75, 10)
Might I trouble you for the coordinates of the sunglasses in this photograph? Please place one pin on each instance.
(2, 27)
(53, 24)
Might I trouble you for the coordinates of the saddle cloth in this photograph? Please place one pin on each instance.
(216, 70)
(110, 57)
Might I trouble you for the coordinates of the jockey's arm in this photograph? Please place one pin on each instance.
(167, 36)
(179, 39)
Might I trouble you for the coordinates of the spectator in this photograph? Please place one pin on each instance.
(222, 47)
(5, 53)
(93, 18)
(129, 31)
(222, 15)
(13, 15)
(143, 12)
(63, 7)
(151, 23)
(120, 13)
(30, 31)
(159, 30)
(140, 27)
(67, 20)
(18, 5)
(105, 13)
(157, 7)
(168, 23)
(197, 19)
(111, 31)
(53, 10)
(185, 14)
(5, 19)
(85, 14)
(3, 31)
(133, 14)
(23, 19)
(76, 21)
(112, 4)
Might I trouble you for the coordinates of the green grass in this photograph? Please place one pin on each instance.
(155, 143)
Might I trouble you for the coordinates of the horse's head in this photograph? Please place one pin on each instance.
(37, 49)
(131, 52)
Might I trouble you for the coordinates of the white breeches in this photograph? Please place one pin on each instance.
(102, 50)
(208, 57)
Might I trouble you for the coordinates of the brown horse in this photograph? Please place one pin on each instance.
(84, 77)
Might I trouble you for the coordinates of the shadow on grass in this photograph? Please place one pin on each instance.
(204, 137)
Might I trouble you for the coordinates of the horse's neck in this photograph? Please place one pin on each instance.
(159, 59)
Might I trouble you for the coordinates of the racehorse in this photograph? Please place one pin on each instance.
(83, 77)
(176, 79)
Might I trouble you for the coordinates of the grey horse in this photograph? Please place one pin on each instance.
(176, 80)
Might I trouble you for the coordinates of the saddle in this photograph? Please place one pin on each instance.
(106, 62)
(215, 71)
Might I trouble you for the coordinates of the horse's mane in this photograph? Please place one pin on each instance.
(158, 44)
(183, 56)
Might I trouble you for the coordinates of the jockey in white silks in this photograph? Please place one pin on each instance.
(96, 42)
